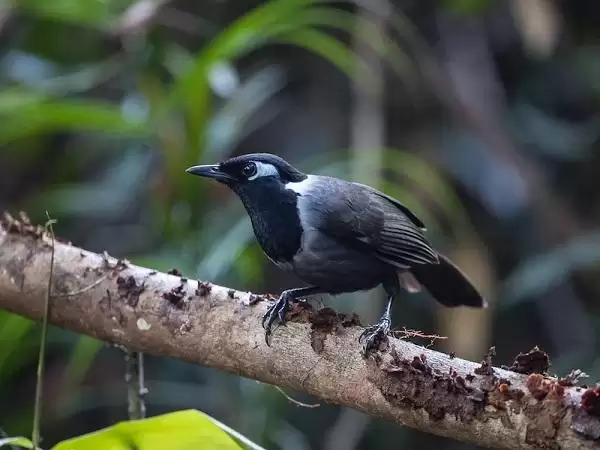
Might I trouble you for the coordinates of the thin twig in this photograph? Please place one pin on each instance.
(85, 289)
(134, 377)
(143, 391)
(35, 434)
(406, 333)
(297, 402)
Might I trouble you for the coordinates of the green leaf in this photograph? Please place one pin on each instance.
(24, 114)
(82, 78)
(16, 441)
(321, 44)
(346, 21)
(88, 12)
(181, 430)
(260, 26)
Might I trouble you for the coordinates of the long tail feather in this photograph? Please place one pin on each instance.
(448, 284)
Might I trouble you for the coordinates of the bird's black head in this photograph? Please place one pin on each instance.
(261, 182)
(241, 172)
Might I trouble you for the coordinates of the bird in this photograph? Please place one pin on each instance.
(338, 236)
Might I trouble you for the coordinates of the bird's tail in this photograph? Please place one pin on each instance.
(448, 284)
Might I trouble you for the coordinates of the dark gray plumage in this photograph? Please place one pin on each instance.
(338, 236)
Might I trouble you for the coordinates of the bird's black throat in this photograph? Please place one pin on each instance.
(274, 215)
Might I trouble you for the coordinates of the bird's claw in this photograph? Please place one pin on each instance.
(276, 311)
(375, 334)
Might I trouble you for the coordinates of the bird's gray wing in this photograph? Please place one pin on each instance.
(398, 204)
(367, 221)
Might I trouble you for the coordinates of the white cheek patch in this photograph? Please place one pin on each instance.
(301, 187)
(264, 170)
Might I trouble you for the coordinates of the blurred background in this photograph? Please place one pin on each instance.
(482, 116)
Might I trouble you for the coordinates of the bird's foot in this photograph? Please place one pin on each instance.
(374, 335)
(276, 311)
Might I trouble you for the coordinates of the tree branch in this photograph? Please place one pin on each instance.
(316, 353)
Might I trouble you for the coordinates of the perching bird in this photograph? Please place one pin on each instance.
(338, 236)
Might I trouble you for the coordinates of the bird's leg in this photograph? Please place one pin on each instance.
(373, 334)
(281, 306)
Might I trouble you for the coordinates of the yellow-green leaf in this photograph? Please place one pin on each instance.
(181, 430)
(16, 442)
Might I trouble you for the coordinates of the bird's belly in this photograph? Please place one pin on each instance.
(338, 269)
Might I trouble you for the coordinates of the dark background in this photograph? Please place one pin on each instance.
(482, 116)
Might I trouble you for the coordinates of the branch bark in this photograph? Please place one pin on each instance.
(316, 353)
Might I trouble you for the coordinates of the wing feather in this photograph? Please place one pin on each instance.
(405, 246)
(398, 204)
(375, 223)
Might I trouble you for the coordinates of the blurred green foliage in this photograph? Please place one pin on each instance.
(105, 103)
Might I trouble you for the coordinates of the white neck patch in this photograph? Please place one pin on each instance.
(301, 187)
(264, 170)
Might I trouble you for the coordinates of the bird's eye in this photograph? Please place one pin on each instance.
(249, 170)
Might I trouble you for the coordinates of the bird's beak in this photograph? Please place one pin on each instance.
(210, 171)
